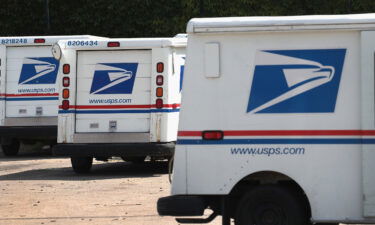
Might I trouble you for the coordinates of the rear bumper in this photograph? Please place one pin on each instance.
(181, 205)
(115, 149)
(29, 132)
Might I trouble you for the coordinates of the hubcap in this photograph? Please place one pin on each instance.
(269, 214)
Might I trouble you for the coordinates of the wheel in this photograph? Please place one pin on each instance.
(134, 159)
(270, 205)
(12, 148)
(81, 164)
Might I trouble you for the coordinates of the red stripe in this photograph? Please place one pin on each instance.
(285, 133)
(173, 106)
(30, 94)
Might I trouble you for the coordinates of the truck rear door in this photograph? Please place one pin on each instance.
(113, 91)
(31, 89)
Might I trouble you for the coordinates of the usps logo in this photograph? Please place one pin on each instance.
(114, 78)
(296, 81)
(39, 70)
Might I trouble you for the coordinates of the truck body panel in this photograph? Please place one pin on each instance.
(294, 96)
(28, 82)
(113, 97)
(27, 74)
(92, 65)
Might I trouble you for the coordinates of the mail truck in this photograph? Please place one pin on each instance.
(119, 97)
(277, 122)
(28, 91)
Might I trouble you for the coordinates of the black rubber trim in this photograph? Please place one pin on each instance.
(115, 149)
(29, 132)
(181, 205)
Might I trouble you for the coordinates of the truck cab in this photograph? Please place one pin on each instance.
(277, 121)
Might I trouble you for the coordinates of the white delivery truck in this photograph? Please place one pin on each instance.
(277, 122)
(120, 97)
(28, 89)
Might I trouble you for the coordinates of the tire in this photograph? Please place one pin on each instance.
(81, 164)
(270, 205)
(11, 149)
(134, 159)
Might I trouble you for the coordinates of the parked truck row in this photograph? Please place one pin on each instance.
(29, 90)
(98, 97)
(275, 123)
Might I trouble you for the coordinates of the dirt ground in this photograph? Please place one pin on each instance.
(36, 188)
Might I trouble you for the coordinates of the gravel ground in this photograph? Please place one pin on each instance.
(37, 188)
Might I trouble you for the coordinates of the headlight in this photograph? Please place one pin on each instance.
(56, 51)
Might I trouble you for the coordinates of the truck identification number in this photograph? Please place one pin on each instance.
(82, 43)
(14, 41)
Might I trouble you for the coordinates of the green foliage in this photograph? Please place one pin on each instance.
(149, 18)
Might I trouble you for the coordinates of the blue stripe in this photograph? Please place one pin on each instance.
(277, 141)
(118, 111)
(31, 99)
(66, 111)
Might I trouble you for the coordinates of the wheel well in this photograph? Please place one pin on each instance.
(266, 177)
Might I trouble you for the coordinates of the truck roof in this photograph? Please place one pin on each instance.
(40, 40)
(281, 23)
(178, 41)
